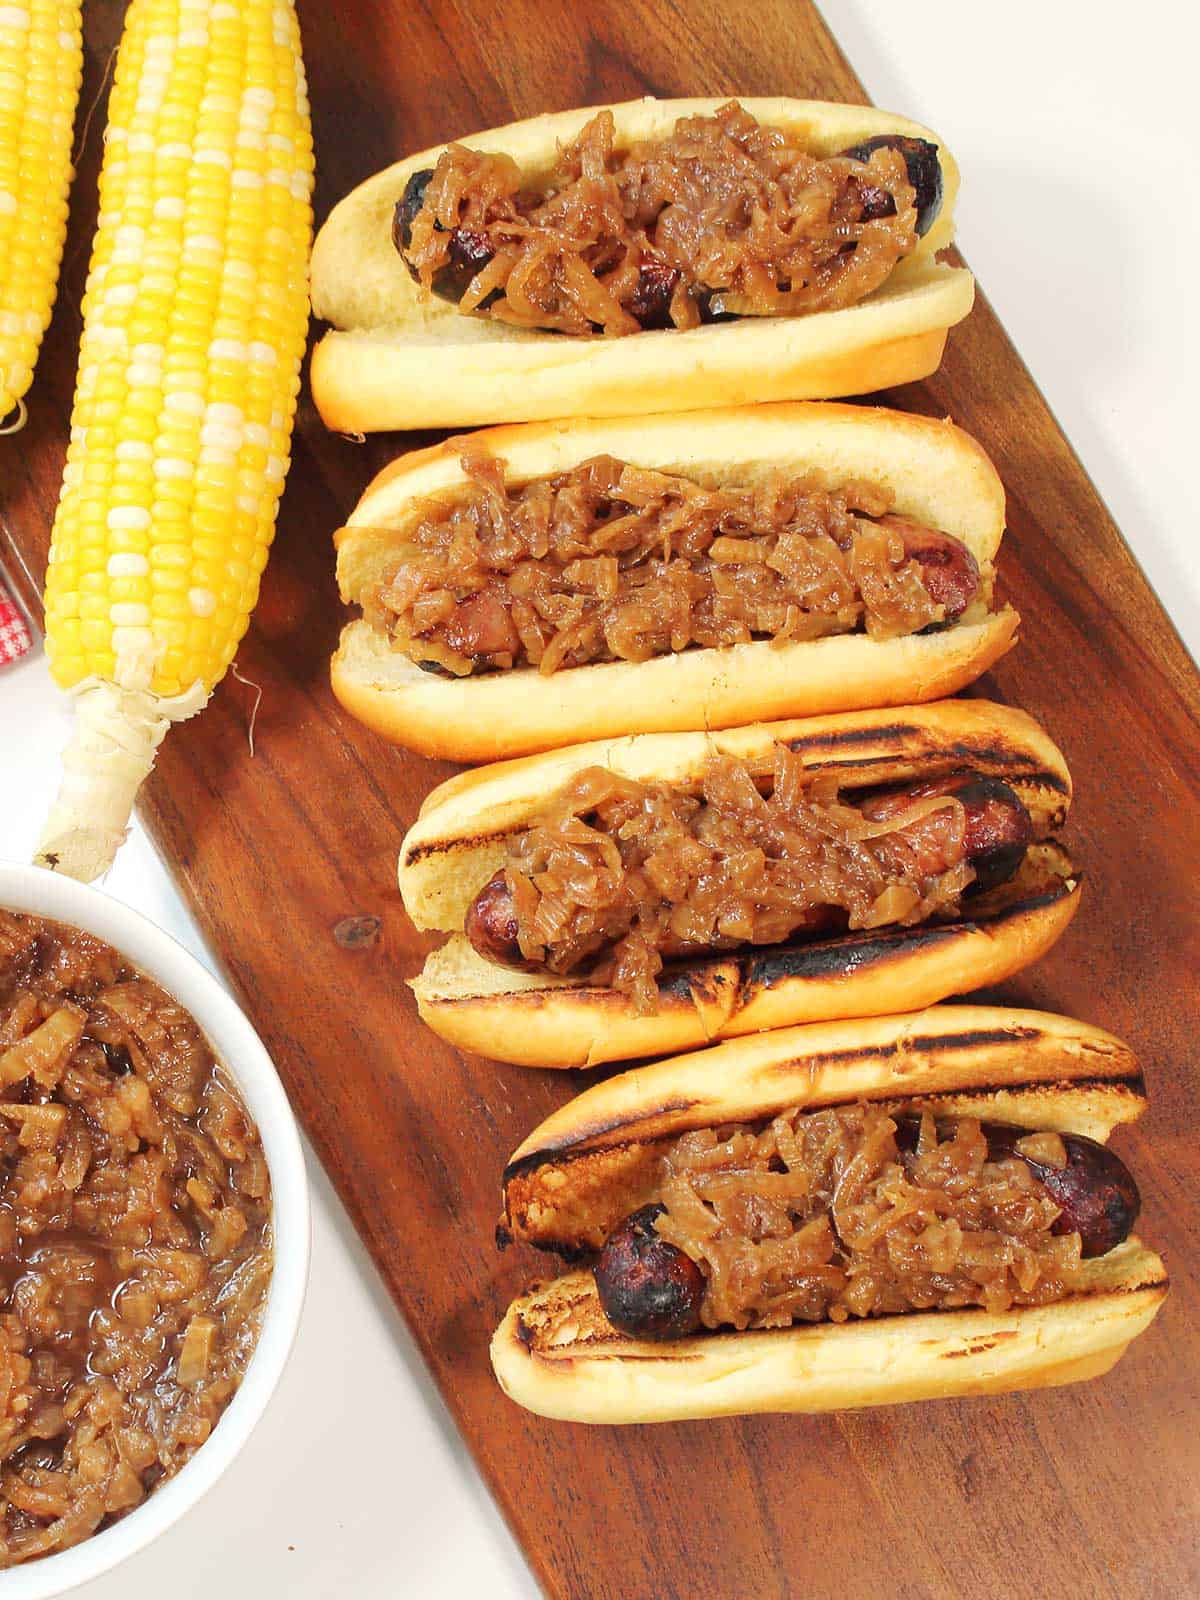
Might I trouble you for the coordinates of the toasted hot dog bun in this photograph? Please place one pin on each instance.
(400, 358)
(600, 1376)
(460, 838)
(936, 474)
(594, 1161)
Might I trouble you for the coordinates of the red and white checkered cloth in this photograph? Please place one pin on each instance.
(15, 638)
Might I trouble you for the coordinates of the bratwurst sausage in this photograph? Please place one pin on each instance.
(949, 571)
(997, 832)
(648, 1286)
(481, 626)
(470, 250)
(651, 1289)
(1095, 1189)
(924, 173)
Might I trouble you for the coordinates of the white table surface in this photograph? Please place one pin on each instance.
(1075, 131)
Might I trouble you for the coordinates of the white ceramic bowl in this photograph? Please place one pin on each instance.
(240, 1051)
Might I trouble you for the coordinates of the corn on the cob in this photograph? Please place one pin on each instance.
(194, 325)
(41, 64)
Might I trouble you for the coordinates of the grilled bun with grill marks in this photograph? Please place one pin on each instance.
(460, 839)
(596, 1159)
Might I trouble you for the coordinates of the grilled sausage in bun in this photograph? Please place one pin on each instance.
(661, 254)
(646, 895)
(826, 1217)
(534, 586)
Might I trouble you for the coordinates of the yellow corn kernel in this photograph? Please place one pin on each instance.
(41, 65)
(197, 290)
(195, 319)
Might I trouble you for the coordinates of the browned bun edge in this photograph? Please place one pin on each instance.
(594, 1160)
(375, 372)
(500, 715)
(934, 472)
(458, 839)
(543, 1022)
(888, 740)
(532, 1019)
(555, 1354)
(373, 382)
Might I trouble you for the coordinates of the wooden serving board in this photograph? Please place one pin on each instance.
(1084, 1491)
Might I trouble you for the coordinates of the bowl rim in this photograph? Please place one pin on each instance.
(243, 1055)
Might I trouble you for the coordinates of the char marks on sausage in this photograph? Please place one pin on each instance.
(618, 877)
(853, 1212)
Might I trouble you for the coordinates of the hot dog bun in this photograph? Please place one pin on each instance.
(594, 1160)
(399, 358)
(601, 1376)
(936, 474)
(459, 839)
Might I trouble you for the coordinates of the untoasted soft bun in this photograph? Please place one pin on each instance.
(532, 1019)
(934, 472)
(403, 359)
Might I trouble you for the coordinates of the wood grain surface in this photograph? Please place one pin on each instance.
(1084, 1491)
